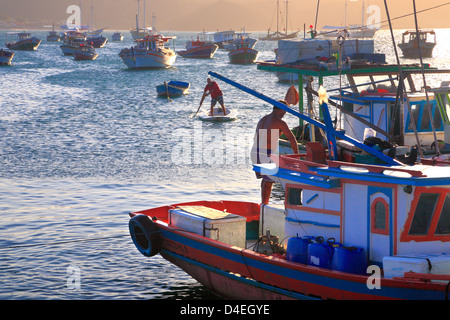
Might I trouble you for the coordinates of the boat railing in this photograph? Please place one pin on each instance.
(373, 168)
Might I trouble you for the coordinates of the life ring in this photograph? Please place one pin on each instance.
(145, 235)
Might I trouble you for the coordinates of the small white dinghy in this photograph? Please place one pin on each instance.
(218, 115)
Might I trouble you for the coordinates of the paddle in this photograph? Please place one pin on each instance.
(198, 110)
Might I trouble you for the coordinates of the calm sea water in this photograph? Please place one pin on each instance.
(82, 144)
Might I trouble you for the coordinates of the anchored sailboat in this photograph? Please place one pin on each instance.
(278, 35)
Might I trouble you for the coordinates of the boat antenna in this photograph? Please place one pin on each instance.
(401, 84)
(438, 153)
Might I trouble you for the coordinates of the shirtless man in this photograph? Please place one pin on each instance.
(269, 125)
(213, 89)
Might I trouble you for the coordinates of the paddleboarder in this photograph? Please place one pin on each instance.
(212, 88)
(268, 131)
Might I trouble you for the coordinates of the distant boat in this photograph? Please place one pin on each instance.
(24, 42)
(72, 41)
(410, 47)
(149, 52)
(220, 37)
(53, 36)
(85, 52)
(140, 33)
(97, 41)
(199, 49)
(243, 54)
(278, 35)
(172, 88)
(352, 32)
(117, 36)
(6, 57)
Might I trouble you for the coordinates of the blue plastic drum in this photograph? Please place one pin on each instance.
(320, 253)
(297, 249)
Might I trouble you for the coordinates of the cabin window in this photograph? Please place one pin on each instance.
(423, 214)
(443, 226)
(422, 117)
(295, 196)
(380, 214)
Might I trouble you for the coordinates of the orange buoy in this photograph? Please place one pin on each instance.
(292, 96)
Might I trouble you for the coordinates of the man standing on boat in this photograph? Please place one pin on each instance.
(213, 89)
(265, 145)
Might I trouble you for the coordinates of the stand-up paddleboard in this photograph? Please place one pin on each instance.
(218, 115)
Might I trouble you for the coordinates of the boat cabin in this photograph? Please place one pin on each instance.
(153, 42)
(373, 97)
(385, 211)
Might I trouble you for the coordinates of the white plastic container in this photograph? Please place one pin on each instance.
(214, 224)
(433, 263)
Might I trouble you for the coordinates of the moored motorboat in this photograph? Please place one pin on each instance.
(97, 41)
(199, 49)
(218, 116)
(117, 36)
(24, 42)
(386, 229)
(243, 54)
(149, 52)
(6, 57)
(72, 41)
(172, 88)
(410, 43)
(85, 52)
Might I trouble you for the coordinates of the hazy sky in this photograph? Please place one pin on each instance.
(211, 15)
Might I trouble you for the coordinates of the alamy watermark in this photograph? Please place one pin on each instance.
(73, 281)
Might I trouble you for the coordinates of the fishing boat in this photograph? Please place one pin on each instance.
(24, 41)
(278, 35)
(352, 231)
(97, 40)
(243, 54)
(72, 41)
(85, 52)
(220, 37)
(149, 52)
(140, 33)
(6, 57)
(172, 88)
(241, 37)
(410, 46)
(117, 36)
(218, 116)
(199, 49)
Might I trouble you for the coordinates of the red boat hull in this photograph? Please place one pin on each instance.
(237, 273)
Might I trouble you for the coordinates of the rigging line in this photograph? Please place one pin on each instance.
(438, 152)
(399, 17)
(402, 82)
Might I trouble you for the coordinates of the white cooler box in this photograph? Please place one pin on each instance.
(433, 263)
(211, 223)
